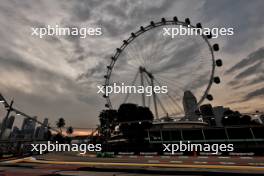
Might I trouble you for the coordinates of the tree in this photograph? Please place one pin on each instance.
(134, 120)
(108, 120)
(47, 135)
(245, 120)
(60, 124)
(69, 130)
(132, 112)
(231, 118)
(127, 112)
(144, 113)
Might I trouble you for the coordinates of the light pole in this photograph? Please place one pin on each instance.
(143, 70)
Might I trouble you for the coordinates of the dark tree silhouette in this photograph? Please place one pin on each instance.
(245, 120)
(231, 118)
(59, 138)
(127, 112)
(144, 113)
(132, 112)
(69, 130)
(108, 119)
(134, 120)
(236, 118)
(60, 124)
(48, 135)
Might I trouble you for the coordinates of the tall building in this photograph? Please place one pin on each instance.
(6, 134)
(42, 130)
(7, 128)
(15, 133)
(46, 122)
(10, 122)
(189, 105)
(28, 127)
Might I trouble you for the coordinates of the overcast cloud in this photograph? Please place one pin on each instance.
(57, 76)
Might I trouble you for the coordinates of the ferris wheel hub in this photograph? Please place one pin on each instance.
(144, 70)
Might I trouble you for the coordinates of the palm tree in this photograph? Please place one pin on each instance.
(69, 130)
(60, 124)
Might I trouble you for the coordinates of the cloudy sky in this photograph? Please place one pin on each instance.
(57, 76)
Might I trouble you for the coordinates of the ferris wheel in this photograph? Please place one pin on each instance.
(150, 58)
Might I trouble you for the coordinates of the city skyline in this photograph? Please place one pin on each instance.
(57, 76)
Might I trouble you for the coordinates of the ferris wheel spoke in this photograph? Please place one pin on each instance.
(171, 98)
(170, 85)
(171, 82)
(168, 104)
(149, 102)
(157, 54)
(155, 51)
(174, 91)
(191, 77)
(156, 97)
(135, 49)
(161, 105)
(130, 60)
(152, 48)
(132, 83)
(134, 57)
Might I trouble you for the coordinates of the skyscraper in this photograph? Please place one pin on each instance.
(189, 105)
(28, 127)
(42, 130)
(7, 127)
(10, 122)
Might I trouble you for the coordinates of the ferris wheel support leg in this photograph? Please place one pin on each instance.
(154, 99)
(142, 84)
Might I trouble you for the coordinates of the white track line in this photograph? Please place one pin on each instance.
(166, 157)
(246, 157)
(148, 156)
(19, 160)
(175, 161)
(256, 164)
(223, 157)
(227, 163)
(153, 161)
(183, 156)
(203, 157)
(200, 162)
(132, 156)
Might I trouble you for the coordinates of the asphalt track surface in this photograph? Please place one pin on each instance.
(75, 164)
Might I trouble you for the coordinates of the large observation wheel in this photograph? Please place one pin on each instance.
(150, 57)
